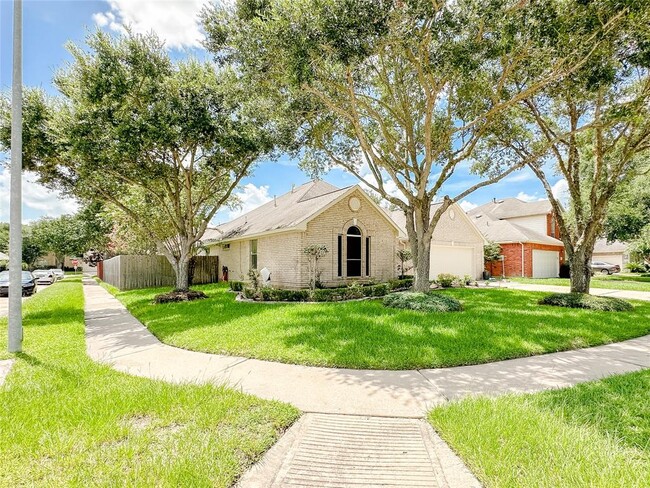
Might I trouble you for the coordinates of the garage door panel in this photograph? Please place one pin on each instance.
(458, 261)
(546, 264)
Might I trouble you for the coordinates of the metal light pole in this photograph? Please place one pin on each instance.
(15, 205)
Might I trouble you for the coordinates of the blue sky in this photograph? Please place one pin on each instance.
(49, 25)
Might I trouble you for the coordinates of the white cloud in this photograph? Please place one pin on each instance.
(250, 197)
(561, 191)
(526, 197)
(466, 205)
(175, 21)
(37, 198)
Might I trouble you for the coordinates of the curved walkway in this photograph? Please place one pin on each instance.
(361, 427)
(114, 336)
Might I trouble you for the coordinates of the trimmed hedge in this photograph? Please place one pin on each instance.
(236, 285)
(423, 302)
(590, 302)
(353, 292)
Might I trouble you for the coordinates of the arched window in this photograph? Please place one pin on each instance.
(353, 252)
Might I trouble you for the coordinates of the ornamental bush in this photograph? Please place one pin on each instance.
(236, 285)
(590, 302)
(423, 302)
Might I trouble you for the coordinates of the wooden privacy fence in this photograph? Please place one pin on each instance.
(129, 272)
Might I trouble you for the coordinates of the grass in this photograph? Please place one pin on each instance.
(494, 324)
(67, 421)
(595, 434)
(625, 281)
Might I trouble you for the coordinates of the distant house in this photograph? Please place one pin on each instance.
(612, 252)
(528, 234)
(457, 245)
(361, 237)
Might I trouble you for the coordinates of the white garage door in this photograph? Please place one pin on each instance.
(546, 264)
(458, 261)
(609, 258)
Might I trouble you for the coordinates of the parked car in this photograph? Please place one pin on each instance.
(44, 276)
(58, 273)
(604, 268)
(28, 281)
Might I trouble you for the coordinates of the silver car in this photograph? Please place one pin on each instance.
(44, 276)
(58, 273)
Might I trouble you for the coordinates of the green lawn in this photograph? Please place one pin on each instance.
(637, 282)
(494, 324)
(67, 421)
(592, 435)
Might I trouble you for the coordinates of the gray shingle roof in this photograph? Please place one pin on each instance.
(285, 212)
(602, 246)
(503, 231)
(513, 207)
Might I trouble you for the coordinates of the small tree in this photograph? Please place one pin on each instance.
(492, 253)
(404, 255)
(314, 253)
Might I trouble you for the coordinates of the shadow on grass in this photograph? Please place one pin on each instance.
(494, 325)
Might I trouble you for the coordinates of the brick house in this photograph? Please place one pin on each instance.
(528, 234)
(360, 236)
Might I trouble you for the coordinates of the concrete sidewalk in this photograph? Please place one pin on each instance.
(603, 292)
(347, 408)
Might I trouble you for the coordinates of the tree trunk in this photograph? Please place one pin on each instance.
(579, 264)
(182, 273)
(421, 260)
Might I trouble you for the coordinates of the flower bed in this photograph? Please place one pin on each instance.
(352, 292)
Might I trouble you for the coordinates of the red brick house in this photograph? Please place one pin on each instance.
(528, 234)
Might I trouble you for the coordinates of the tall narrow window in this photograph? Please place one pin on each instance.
(353, 252)
(367, 256)
(253, 245)
(339, 255)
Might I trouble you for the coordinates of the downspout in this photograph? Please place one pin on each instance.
(522, 260)
(503, 266)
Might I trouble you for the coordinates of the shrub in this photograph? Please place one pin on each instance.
(590, 302)
(236, 285)
(400, 284)
(423, 302)
(635, 267)
(179, 296)
(280, 295)
(446, 280)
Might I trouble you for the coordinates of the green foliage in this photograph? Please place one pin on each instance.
(314, 253)
(590, 302)
(423, 302)
(404, 255)
(446, 280)
(492, 251)
(629, 211)
(279, 295)
(236, 285)
(162, 142)
(635, 267)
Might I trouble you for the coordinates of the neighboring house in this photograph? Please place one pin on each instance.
(528, 234)
(457, 245)
(360, 236)
(612, 253)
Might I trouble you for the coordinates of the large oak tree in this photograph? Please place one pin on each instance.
(163, 142)
(398, 93)
(594, 125)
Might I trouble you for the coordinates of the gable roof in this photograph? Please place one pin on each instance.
(616, 247)
(504, 231)
(290, 211)
(399, 218)
(509, 208)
